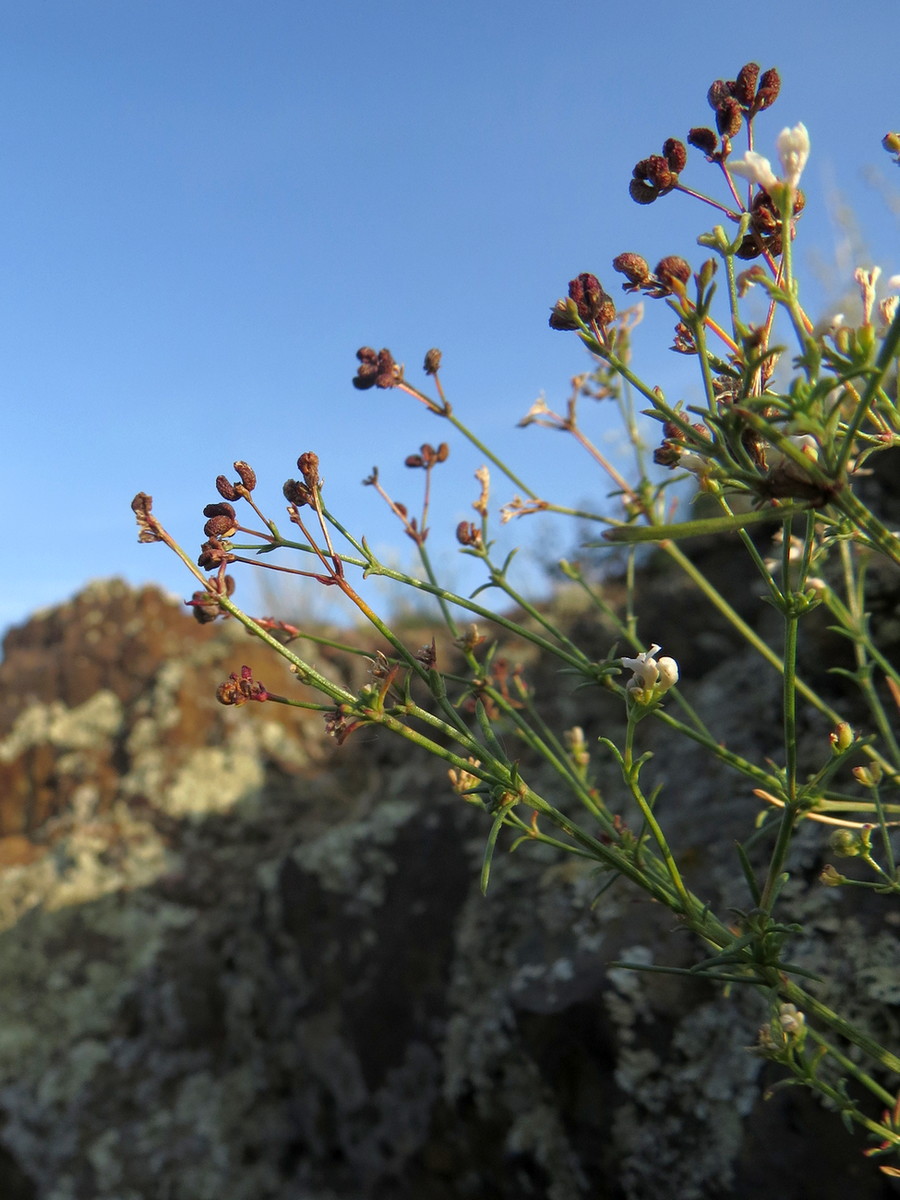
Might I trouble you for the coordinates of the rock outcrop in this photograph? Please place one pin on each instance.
(237, 963)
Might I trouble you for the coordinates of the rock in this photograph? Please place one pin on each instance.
(237, 963)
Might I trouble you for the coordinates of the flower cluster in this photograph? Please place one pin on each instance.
(734, 101)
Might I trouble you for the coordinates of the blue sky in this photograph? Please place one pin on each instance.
(211, 204)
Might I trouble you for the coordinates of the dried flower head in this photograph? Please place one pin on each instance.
(483, 476)
(587, 303)
(432, 362)
(729, 117)
(226, 489)
(635, 269)
(238, 689)
(308, 466)
(376, 369)
(675, 154)
(203, 604)
(427, 655)
(767, 92)
(222, 522)
(867, 280)
(673, 273)
(296, 493)
(142, 507)
(428, 456)
(651, 178)
(214, 554)
(704, 139)
(468, 534)
(744, 87)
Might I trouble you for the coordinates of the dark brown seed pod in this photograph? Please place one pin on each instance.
(675, 154)
(594, 305)
(635, 269)
(673, 270)
(767, 92)
(246, 474)
(729, 117)
(703, 139)
(745, 85)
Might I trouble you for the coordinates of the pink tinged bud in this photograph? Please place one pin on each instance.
(841, 737)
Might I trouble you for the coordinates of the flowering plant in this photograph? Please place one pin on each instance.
(776, 442)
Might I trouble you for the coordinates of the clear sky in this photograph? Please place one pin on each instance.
(211, 204)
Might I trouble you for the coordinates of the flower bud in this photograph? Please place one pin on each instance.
(869, 776)
(791, 1019)
(841, 737)
(432, 362)
(845, 843)
(829, 876)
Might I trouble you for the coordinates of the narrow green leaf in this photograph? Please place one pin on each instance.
(489, 847)
(748, 873)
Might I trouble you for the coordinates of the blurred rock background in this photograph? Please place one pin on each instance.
(240, 963)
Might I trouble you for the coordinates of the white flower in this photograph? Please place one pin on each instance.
(793, 152)
(695, 463)
(756, 168)
(650, 674)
